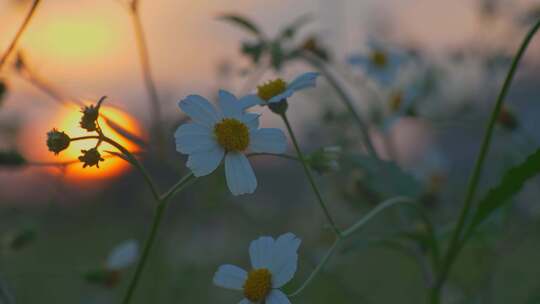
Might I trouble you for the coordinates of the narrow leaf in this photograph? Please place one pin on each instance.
(511, 183)
(242, 22)
(290, 30)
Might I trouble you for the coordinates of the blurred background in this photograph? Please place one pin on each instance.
(427, 104)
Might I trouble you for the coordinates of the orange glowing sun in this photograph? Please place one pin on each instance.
(68, 121)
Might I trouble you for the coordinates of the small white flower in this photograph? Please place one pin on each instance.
(273, 263)
(123, 255)
(225, 133)
(277, 90)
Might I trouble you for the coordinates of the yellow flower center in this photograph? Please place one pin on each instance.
(258, 284)
(379, 58)
(271, 89)
(232, 134)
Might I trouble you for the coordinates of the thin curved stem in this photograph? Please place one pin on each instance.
(19, 33)
(347, 100)
(310, 176)
(286, 156)
(455, 246)
(132, 159)
(144, 57)
(317, 269)
(135, 162)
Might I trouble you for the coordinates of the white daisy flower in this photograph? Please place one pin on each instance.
(123, 255)
(225, 133)
(273, 263)
(277, 90)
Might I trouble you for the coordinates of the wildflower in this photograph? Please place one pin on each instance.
(121, 257)
(273, 263)
(227, 133)
(380, 62)
(90, 158)
(277, 90)
(57, 141)
(90, 116)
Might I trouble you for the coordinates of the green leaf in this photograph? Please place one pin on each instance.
(11, 159)
(511, 183)
(242, 22)
(384, 177)
(21, 238)
(290, 31)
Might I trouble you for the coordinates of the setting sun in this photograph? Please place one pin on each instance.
(68, 121)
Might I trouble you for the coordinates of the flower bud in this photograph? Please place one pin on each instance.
(312, 45)
(507, 119)
(325, 160)
(90, 116)
(57, 141)
(90, 158)
(279, 107)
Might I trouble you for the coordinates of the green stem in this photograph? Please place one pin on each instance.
(455, 246)
(158, 216)
(318, 269)
(144, 58)
(347, 100)
(286, 156)
(19, 33)
(359, 224)
(310, 176)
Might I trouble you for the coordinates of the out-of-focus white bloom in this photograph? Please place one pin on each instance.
(278, 90)
(225, 133)
(273, 263)
(123, 255)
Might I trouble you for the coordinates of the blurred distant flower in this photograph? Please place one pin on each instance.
(90, 116)
(274, 264)
(225, 133)
(57, 141)
(277, 91)
(90, 158)
(121, 257)
(11, 159)
(325, 160)
(507, 119)
(380, 63)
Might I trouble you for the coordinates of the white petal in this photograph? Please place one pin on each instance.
(192, 137)
(245, 301)
(251, 120)
(284, 259)
(268, 140)
(261, 251)
(123, 255)
(200, 110)
(288, 93)
(304, 81)
(239, 174)
(249, 101)
(204, 163)
(230, 107)
(230, 277)
(277, 297)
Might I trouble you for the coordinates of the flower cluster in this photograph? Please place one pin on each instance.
(227, 133)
